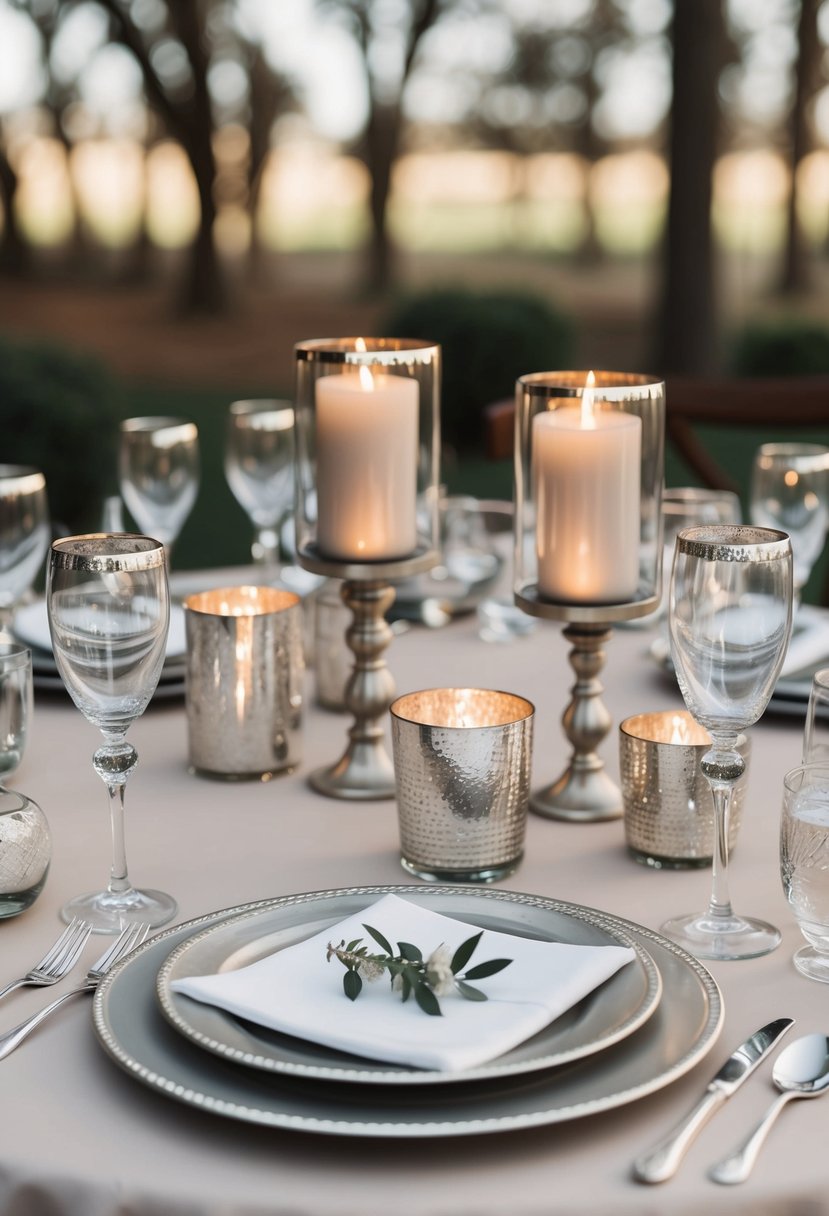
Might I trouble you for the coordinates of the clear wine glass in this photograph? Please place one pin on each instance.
(158, 469)
(730, 617)
(24, 536)
(816, 726)
(109, 611)
(686, 507)
(259, 455)
(790, 491)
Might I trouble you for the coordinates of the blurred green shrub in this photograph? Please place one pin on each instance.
(58, 412)
(789, 346)
(487, 339)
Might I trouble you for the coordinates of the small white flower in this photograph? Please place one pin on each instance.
(439, 971)
(370, 971)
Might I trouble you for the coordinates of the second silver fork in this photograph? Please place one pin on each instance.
(131, 937)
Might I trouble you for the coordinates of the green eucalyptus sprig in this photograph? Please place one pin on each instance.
(411, 974)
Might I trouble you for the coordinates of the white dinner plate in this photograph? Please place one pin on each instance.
(31, 626)
(132, 1030)
(612, 1011)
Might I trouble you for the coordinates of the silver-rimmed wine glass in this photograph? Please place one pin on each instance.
(730, 616)
(259, 466)
(790, 490)
(24, 536)
(158, 472)
(109, 612)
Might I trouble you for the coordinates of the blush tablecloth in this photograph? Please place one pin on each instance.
(81, 1138)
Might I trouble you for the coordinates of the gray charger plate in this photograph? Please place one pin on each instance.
(612, 1011)
(132, 1030)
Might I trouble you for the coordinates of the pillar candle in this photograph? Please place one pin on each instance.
(367, 445)
(586, 473)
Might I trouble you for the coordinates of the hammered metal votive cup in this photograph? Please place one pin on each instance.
(462, 761)
(244, 682)
(668, 807)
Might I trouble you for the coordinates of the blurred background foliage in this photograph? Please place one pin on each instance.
(188, 187)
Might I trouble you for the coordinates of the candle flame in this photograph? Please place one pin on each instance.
(360, 345)
(588, 420)
(366, 379)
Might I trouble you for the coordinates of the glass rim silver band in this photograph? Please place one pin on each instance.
(734, 543)
(107, 552)
(492, 692)
(22, 478)
(378, 350)
(609, 385)
(150, 424)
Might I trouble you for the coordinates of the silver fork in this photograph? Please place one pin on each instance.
(57, 961)
(131, 937)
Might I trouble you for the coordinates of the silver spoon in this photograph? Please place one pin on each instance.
(801, 1071)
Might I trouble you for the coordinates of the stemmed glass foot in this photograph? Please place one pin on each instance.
(812, 963)
(112, 911)
(723, 937)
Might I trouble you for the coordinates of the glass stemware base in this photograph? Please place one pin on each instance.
(110, 912)
(728, 937)
(812, 963)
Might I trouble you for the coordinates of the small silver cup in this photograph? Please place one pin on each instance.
(462, 771)
(668, 806)
(244, 682)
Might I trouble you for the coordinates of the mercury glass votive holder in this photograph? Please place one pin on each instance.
(668, 807)
(462, 761)
(244, 676)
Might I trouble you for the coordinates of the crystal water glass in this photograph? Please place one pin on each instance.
(259, 466)
(730, 617)
(158, 471)
(24, 536)
(816, 727)
(790, 491)
(109, 610)
(804, 863)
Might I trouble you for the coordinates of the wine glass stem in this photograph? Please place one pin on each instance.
(114, 762)
(720, 904)
(266, 549)
(722, 766)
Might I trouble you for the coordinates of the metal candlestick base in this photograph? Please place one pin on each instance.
(365, 772)
(584, 793)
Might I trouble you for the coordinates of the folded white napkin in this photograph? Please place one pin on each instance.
(296, 991)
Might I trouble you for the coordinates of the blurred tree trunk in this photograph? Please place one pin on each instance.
(795, 275)
(189, 119)
(381, 141)
(15, 251)
(688, 329)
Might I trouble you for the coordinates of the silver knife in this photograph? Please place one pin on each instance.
(662, 1161)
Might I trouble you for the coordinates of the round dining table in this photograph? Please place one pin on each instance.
(82, 1136)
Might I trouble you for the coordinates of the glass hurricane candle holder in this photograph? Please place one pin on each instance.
(367, 450)
(588, 543)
